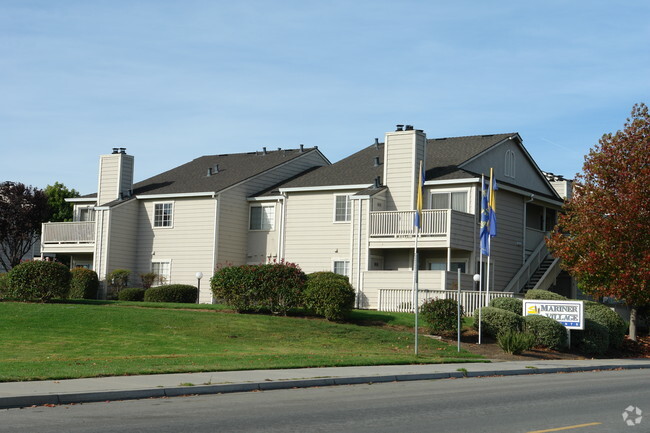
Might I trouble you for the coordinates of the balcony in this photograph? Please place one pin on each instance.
(439, 228)
(68, 237)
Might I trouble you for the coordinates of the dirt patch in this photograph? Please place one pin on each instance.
(490, 349)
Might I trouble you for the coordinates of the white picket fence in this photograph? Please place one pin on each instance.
(401, 300)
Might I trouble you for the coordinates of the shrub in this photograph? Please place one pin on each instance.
(131, 294)
(593, 340)
(83, 284)
(182, 293)
(548, 332)
(496, 320)
(274, 287)
(511, 304)
(329, 295)
(441, 315)
(602, 314)
(118, 279)
(38, 281)
(544, 295)
(4, 284)
(148, 279)
(515, 342)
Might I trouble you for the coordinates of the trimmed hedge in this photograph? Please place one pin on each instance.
(605, 316)
(593, 340)
(38, 281)
(181, 293)
(548, 332)
(274, 287)
(118, 279)
(496, 320)
(441, 315)
(83, 284)
(329, 295)
(544, 295)
(515, 305)
(131, 294)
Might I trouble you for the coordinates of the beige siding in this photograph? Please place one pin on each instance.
(126, 174)
(102, 226)
(188, 245)
(506, 247)
(312, 238)
(263, 244)
(359, 246)
(462, 231)
(234, 209)
(122, 238)
(109, 168)
(402, 153)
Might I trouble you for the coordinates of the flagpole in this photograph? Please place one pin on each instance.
(480, 270)
(415, 286)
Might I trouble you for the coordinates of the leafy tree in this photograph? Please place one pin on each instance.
(22, 210)
(60, 210)
(603, 237)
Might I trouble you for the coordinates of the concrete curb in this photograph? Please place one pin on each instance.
(97, 396)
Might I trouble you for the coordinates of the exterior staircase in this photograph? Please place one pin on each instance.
(538, 274)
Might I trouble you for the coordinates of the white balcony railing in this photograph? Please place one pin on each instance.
(401, 223)
(82, 232)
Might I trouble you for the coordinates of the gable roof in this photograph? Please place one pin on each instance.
(192, 177)
(444, 155)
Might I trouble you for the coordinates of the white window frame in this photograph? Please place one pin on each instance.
(444, 262)
(261, 206)
(348, 208)
(167, 277)
(467, 191)
(346, 264)
(171, 216)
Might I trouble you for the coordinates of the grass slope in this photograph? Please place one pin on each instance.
(56, 341)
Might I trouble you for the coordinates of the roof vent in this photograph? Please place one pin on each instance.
(376, 143)
(123, 150)
(213, 170)
(377, 182)
(302, 148)
(408, 128)
(399, 128)
(376, 161)
(115, 151)
(264, 152)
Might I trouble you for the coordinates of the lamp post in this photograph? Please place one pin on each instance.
(477, 279)
(199, 275)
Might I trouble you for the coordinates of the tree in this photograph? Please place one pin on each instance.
(603, 238)
(60, 210)
(22, 210)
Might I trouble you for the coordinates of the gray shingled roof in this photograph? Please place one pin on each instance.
(233, 168)
(444, 155)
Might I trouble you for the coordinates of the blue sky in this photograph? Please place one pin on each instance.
(174, 80)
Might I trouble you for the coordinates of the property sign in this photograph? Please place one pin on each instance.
(571, 314)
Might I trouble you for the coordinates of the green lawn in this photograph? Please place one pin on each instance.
(86, 339)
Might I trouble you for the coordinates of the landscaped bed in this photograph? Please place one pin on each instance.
(86, 339)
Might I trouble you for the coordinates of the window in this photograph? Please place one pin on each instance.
(454, 200)
(162, 269)
(438, 265)
(342, 267)
(162, 214)
(86, 214)
(509, 164)
(262, 217)
(342, 210)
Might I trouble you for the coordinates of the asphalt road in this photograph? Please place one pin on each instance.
(578, 402)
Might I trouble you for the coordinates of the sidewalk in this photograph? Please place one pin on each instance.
(22, 394)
